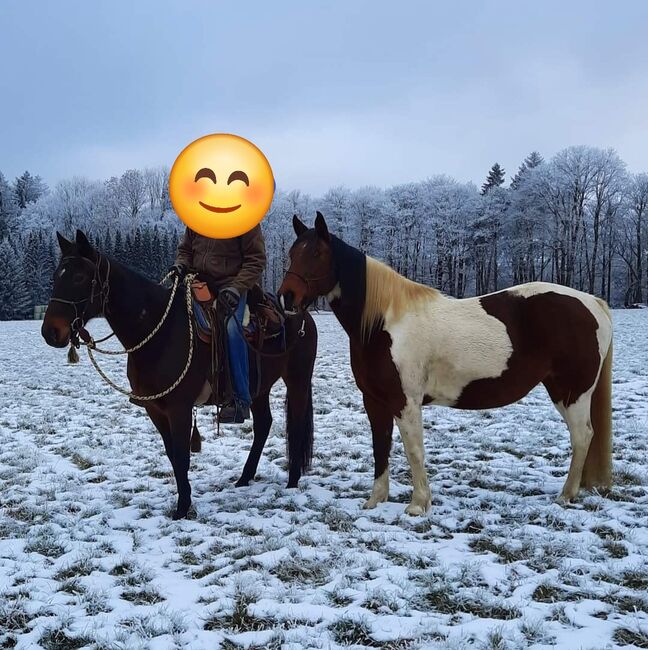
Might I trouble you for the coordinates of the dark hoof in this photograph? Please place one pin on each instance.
(184, 513)
(292, 484)
(242, 482)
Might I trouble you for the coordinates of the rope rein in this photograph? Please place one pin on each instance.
(93, 344)
(146, 398)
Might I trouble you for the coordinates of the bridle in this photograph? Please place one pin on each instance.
(77, 326)
(307, 280)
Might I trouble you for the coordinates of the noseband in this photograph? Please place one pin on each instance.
(99, 289)
(306, 280)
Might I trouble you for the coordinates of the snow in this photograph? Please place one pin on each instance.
(89, 554)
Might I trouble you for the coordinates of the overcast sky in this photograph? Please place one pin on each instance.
(335, 93)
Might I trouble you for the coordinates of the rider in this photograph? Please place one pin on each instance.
(233, 266)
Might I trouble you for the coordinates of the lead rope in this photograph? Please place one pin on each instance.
(145, 398)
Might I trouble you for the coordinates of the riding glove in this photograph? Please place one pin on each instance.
(180, 270)
(231, 297)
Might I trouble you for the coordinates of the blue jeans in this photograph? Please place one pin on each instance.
(238, 354)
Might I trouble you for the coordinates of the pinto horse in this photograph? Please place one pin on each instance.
(88, 284)
(411, 345)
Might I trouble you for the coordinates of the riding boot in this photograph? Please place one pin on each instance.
(236, 412)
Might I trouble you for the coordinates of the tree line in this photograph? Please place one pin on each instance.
(578, 219)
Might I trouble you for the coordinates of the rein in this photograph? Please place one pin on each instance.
(147, 398)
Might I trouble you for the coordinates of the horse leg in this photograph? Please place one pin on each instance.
(180, 421)
(410, 424)
(382, 424)
(262, 420)
(577, 417)
(299, 427)
(161, 422)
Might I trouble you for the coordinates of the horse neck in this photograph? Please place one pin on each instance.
(135, 305)
(351, 272)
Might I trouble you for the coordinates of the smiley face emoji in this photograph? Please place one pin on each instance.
(221, 185)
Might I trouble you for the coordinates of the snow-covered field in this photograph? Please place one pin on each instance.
(90, 557)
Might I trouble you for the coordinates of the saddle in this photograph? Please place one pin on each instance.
(263, 321)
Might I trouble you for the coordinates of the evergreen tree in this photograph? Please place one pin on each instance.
(107, 245)
(8, 207)
(495, 178)
(532, 160)
(128, 258)
(28, 189)
(157, 258)
(148, 265)
(11, 293)
(118, 247)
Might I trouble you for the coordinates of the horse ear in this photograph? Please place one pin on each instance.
(299, 226)
(84, 245)
(67, 247)
(321, 228)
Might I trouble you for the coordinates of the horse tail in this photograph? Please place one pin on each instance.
(196, 440)
(299, 430)
(597, 471)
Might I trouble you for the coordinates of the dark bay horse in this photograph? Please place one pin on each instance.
(411, 345)
(88, 284)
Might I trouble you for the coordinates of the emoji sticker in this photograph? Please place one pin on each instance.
(221, 185)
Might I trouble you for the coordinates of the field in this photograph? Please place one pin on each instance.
(90, 557)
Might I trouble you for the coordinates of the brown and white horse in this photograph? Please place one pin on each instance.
(411, 345)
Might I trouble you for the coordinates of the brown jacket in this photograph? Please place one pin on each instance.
(238, 262)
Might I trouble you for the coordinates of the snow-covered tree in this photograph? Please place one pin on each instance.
(28, 189)
(495, 178)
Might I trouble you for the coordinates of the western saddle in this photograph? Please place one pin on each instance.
(263, 322)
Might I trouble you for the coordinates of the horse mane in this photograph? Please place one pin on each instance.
(371, 288)
(388, 291)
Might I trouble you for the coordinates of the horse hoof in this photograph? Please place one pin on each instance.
(292, 484)
(416, 510)
(184, 513)
(372, 502)
(242, 482)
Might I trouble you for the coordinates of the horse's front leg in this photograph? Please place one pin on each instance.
(180, 424)
(382, 424)
(410, 424)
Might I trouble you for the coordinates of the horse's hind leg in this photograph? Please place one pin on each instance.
(382, 425)
(299, 427)
(577, 417)
(262, 420)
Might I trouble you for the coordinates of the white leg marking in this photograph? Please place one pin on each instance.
(410, 425)
(577, 417)
(379, 492)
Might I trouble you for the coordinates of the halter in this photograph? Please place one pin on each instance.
(306, 280)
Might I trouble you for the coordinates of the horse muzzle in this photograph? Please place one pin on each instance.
(56, 335)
